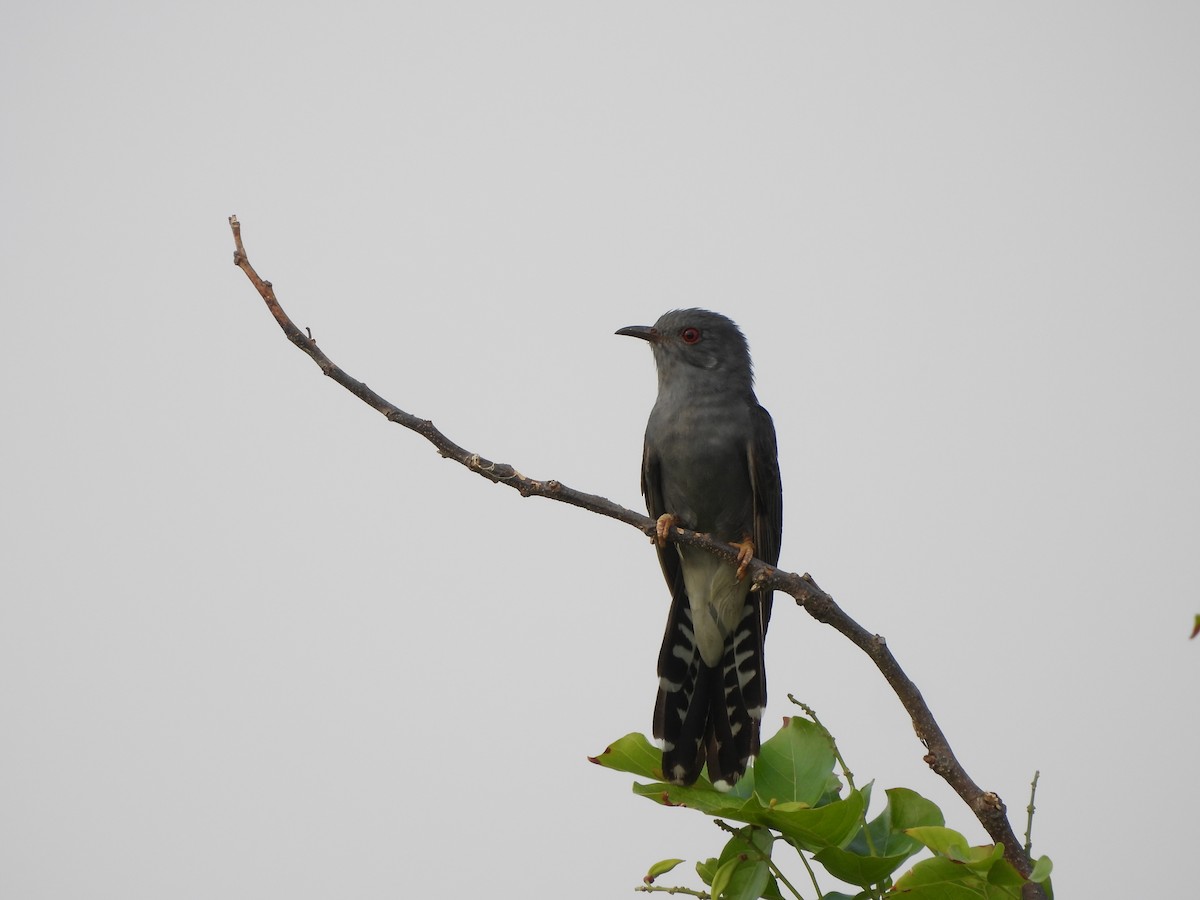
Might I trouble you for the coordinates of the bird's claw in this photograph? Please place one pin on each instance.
(745, 549)
(662, 528)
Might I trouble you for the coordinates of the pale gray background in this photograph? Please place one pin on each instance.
(255, 642)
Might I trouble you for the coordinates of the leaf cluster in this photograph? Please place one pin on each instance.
(792, 796)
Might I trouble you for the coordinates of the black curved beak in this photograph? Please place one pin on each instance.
(645, 332)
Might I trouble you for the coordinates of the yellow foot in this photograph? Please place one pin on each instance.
(663, 527)
(745, 549)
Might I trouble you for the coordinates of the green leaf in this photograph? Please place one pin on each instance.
(662, 867)
(905, 809)
(1002, 874)
(752, 846)
(702, 797)
(942, 841)
(831, 825)
(984, 873)
(865, 790)
(771, 891)
(721, 880)
(634, 754)
(939, 879)
(981, 859)
(911, 810)
(707, 869)
(814, 829)
(753, 841)
(749, 881)
(943, 879)
(1041, 869)
(794, 766)
(859, 869)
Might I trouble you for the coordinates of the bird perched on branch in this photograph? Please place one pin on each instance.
(710, 464)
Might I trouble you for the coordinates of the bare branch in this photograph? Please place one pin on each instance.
(987, 806)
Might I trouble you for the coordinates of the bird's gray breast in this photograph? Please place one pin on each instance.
(701, 446)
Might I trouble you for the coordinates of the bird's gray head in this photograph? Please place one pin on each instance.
(697, 346)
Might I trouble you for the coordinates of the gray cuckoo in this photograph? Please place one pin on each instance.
(710, 464)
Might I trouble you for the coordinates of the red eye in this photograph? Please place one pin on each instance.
(690, 335)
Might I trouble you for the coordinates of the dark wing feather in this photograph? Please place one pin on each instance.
(656, 506)
(744, 666)
(768, 495)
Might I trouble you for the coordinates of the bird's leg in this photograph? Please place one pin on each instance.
(663, 527)
(745, 549)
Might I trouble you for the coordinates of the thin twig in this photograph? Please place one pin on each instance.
(654, 888)
(1029, 810)
(986, 805)
(812, 876)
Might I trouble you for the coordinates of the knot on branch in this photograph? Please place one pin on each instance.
(484, 467)
(503, 472)
(935, 762)
(818, 603)
(989, 803)
(526, 487)
(763, 575)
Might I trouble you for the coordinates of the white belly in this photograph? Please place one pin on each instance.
(717, 600)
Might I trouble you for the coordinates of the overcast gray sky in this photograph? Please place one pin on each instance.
(256, 642)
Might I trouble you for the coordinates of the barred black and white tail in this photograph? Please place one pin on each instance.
(710, 714)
